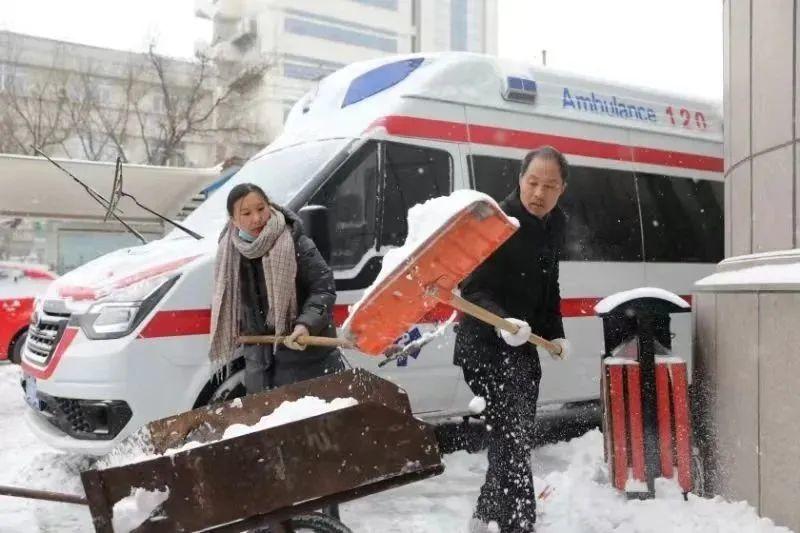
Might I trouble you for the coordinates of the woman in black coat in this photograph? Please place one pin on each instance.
(270, 279)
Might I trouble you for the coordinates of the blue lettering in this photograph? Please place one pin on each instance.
(596, 103)
(567, 99)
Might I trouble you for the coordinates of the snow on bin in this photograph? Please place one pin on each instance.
(646, 422)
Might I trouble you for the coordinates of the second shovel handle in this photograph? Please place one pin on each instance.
(307, 340)
(482, 314)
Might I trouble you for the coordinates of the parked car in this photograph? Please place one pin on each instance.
(20, 284)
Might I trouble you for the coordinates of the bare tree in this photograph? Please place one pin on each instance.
(33, 109)
(143, 107)
(190, 99)
(101, 125)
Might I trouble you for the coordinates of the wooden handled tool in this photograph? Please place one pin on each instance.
(483, 315)
(307, 340)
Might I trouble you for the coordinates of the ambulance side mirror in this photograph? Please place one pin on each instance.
(316, 222)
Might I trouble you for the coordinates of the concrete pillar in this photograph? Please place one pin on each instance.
(747, 343)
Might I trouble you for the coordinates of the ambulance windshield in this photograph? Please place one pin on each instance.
(282, 174)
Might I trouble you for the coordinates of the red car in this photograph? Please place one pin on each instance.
(20, 284)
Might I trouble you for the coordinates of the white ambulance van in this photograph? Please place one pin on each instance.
(124, 339)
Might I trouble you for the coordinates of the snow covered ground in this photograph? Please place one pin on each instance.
(570, 476)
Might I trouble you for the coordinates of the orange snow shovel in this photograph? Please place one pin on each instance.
(428, 276)
(424, 279)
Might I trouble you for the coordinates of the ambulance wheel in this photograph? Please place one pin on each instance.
(16, 348)
(224, 387)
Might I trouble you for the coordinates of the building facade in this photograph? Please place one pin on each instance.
(98, 102)
(305, 40)
(83, 102)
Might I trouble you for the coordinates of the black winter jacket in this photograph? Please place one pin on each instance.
(316, 295)
(519, 280)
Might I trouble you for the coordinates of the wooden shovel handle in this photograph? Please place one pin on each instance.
(490, 318)
(307, 340)
(20, 492)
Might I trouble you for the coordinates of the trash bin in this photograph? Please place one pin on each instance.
(646, 423)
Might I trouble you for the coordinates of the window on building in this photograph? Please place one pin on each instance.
(3, 76)
(458, 25)
(385, 4)
(414, 174)
(340, 31)
(682, 219)
(299, 71)
(13, 78)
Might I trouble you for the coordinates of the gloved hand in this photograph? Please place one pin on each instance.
(566, 348)
(520, 337)
(291, 340)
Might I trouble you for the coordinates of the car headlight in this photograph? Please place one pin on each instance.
(121, 312)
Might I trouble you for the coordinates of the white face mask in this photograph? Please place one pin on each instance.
(246, 236)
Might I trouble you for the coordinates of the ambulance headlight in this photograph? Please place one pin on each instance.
(121, 312)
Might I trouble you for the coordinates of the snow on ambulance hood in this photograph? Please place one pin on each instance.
(128, 269)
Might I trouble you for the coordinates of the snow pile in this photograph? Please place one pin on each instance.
(571, 479)
(610, 302)
(579, 498)
(129, 513)
(573, 496)
(423, 221)
(289, 412)
(139, 447)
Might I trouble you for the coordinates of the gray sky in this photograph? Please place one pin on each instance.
(673, 45)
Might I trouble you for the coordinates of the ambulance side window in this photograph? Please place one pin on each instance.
(414, 174)
(494, 176)
(682, 219)
(351, 198)
(603, 216)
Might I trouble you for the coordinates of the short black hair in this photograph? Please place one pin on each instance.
(546, 152)
(242, 190)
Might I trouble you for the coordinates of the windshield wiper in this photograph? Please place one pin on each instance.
(117, 193)
(111, 207)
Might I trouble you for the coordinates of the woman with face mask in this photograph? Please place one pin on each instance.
(270, 279)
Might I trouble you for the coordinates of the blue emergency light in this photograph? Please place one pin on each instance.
(519, 89)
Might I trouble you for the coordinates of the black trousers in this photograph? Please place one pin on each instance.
(510, 390)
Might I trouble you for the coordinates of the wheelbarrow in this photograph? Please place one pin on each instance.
(267, 477)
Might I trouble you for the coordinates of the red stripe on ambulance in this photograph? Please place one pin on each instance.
(198, 321)
(406, 126)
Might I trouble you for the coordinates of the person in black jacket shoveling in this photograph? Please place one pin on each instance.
(518, 281)
(270, 279)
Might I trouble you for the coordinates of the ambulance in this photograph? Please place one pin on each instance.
(124, 339)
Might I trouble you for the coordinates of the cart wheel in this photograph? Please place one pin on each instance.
(318, 523)
(312, 523)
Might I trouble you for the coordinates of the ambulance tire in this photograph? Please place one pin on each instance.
(16, 348)
(223, 388)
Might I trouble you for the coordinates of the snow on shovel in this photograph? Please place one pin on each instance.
(448, 238)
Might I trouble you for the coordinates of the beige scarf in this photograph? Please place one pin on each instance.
(275, 246)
